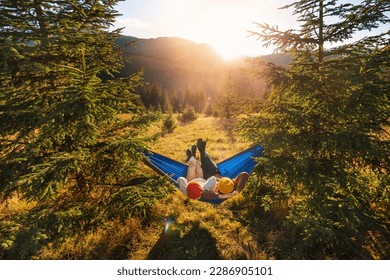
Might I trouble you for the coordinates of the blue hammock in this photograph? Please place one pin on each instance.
(244, 161)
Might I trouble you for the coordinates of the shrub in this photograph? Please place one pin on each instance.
(169, 123)
(188, 115)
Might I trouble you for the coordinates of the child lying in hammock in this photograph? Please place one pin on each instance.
(204, 180)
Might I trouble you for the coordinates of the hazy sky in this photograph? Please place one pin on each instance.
(220, 23)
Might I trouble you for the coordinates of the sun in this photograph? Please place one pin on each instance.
(227, 47)
(224, 28)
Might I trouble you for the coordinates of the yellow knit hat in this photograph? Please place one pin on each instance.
(225, 185)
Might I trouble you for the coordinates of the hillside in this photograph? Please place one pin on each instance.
(179, 63)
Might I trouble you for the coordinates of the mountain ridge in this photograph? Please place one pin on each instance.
(178, 63)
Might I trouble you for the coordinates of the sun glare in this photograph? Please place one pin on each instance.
(225, 29)
(228, 50)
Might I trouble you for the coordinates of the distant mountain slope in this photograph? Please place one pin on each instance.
(179, 63)
(179, 52)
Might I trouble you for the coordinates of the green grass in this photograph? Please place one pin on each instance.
(221, 143)
(197, 230)
(234, 229)
(180, 228)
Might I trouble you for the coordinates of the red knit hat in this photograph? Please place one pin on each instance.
(194, 190)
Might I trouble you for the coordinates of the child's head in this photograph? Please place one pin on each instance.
(194, 190)
(225, 185)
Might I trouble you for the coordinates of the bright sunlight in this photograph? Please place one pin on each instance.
(223, 28)
(222, 24)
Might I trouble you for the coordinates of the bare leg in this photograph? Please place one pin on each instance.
(240, 181)
(198, 170)
(194, 169)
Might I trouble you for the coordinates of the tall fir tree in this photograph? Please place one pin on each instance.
(325, 128)
(62, 145)
(228, 100)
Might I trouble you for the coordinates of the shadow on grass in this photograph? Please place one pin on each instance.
(197, 244)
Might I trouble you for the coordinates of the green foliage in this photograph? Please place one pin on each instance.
(193, 98)
(155, 97)
(188, 115)
(169, 123)
(323, 128)
(7, 236)
(62, 145)
(228, 103)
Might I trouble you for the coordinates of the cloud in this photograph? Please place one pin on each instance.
(136, 27)
(132, 23)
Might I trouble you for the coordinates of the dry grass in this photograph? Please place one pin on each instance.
(199, 230)
(196, 230)
(221, 143)
(114, 241)
(180, 228)
(177, 227)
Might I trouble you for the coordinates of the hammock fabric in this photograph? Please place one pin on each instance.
(244, 161)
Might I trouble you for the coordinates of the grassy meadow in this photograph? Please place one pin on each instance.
(73, 184)
(179, 228)
(176, 227)
(222, 141)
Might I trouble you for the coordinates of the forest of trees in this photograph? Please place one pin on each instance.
(228, 102)
(62, 145)
(324, 125)
(155, 97)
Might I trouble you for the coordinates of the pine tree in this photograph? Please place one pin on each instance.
(169, 122)
(324, 127)
(62, 145)
(228, 102)
(174, 100)
(188, 115)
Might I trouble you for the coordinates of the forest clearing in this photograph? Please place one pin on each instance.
(177, 227)
(75, 126)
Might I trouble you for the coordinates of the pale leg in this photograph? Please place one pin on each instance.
(193, 169)
(182, 182)
(198, 170)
